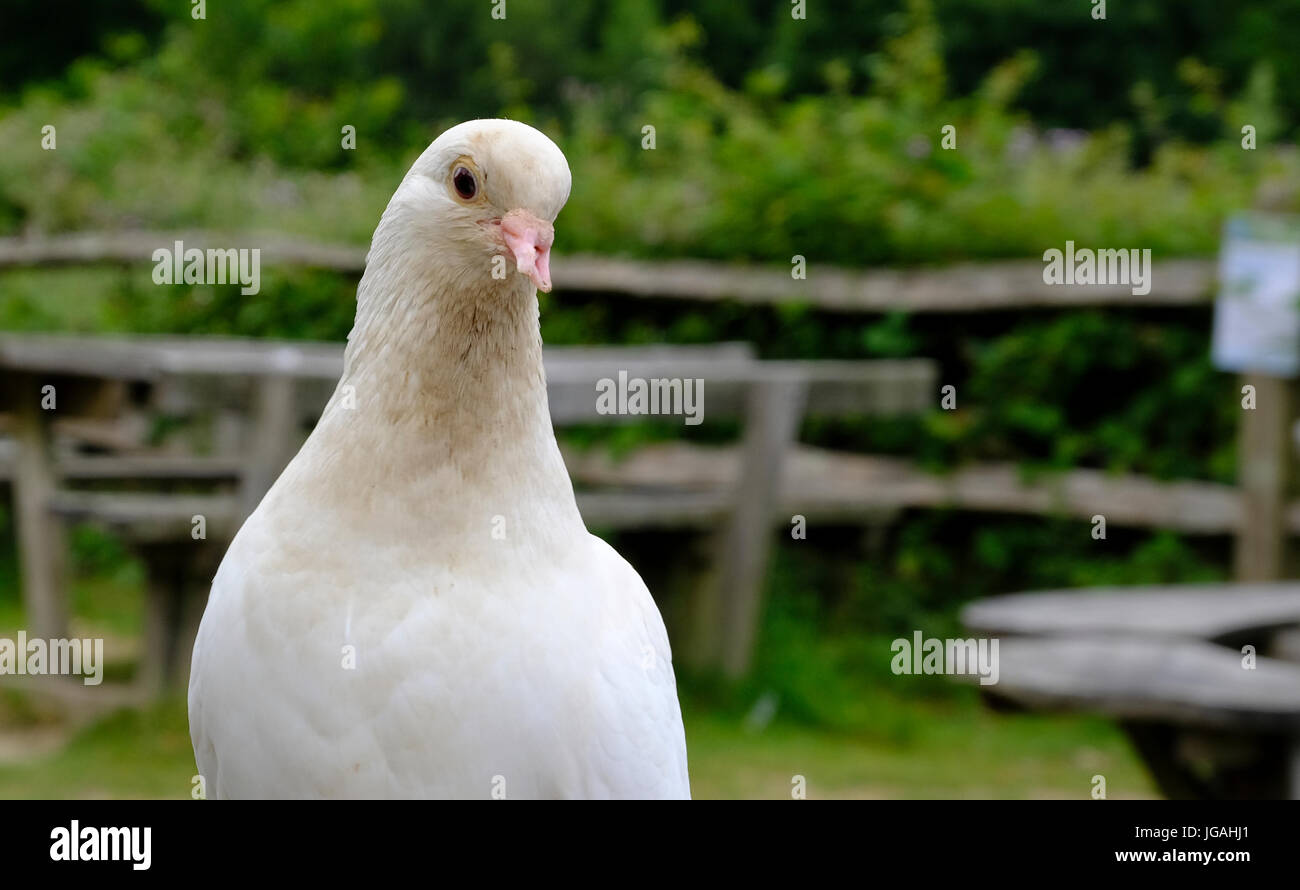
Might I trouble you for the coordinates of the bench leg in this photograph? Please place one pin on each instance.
(42, 548)
(1157, 744)
(165, 590)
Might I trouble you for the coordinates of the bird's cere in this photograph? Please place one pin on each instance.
(529, 240)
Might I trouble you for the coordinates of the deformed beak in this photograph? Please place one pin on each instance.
(529, 239)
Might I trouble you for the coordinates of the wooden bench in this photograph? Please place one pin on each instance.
(242, 407)
(1167, 663)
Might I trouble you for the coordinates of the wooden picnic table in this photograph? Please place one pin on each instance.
(1168, 663)
(267, 394)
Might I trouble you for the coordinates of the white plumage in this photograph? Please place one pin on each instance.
(416, 608)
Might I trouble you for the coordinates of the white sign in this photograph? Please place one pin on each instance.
(1257, 314)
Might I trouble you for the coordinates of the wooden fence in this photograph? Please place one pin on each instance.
(742, 489)
(965, 287)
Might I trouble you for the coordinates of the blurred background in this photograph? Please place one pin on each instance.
(775, 138)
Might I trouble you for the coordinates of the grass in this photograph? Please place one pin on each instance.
(961, 752)
(129, 754)
(846, 724)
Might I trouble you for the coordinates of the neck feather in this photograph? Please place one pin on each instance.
(441, 413)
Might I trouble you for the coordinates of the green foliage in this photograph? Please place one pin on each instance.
(236, 124)
(773, 138)
(931, 562)
(836, 605)
(1102, 389)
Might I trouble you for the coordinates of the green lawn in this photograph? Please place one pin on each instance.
(956, 751)
(922, 739)
(128, 754)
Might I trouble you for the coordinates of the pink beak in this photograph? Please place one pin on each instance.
(529, 239)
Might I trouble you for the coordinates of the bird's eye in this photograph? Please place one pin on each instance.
(464, 183)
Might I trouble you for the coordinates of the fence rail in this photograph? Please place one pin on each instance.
(965, 287)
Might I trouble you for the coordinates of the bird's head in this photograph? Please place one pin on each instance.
(483, 198)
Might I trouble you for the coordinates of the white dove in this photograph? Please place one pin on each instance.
(416, 609)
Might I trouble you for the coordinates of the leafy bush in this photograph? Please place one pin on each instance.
(764, 149)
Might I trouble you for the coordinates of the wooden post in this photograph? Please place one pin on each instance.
(274, 420)
(774, 410)
(165, 651)
(1262, 475)
(42, 547)
(152, 675)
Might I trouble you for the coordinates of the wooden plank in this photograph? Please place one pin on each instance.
(836, 388)
(572, 381)
(151, 517)
(833, 388)
(641, 509)
(1205, 611)
(775, 409)
(559, 357)
(149, 357)
(964, 287)
(92, 248)
(684, 485)
(42, 545)
(1262, 475)
(150, 466)
(572, 374)
(140, 466)
(830, 485)
(1170, 679)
